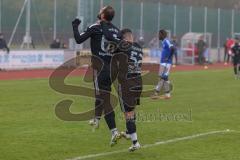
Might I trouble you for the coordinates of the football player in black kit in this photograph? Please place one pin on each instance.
(128, 55)
(130, 85)
(236, 58)
(101, 60)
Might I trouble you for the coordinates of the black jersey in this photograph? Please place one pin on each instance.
(128, 63)
(132, 50)
(112, 35)
(129, 77)
(236, 51)
(99, 44)
(135, 56)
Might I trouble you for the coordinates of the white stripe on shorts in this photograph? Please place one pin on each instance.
(95, 74)
(120, 97)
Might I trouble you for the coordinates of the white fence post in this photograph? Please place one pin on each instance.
(233, 23)
(141, 19)
(121, 15)
(55, 20)
(175, 21)
(219, 35)
(190, 19)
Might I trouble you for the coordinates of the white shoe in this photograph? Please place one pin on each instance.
(94, 123)
(166, 96)
(134, 147)
(125, 135)
(115, 137)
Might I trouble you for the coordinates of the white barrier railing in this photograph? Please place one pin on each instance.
(31, 59)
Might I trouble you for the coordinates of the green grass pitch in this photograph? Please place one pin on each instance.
(30, 130)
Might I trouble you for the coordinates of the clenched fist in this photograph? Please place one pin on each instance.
(76, 22)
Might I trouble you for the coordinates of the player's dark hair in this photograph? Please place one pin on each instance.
(163, 32)
(108, 13)
(126, 30)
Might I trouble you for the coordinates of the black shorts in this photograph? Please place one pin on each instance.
(102, 78)
(130, 93)
(236, 60)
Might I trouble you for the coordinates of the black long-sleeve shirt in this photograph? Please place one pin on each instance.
(133, 51)
(135, 55)
(3, 45)
(110, 32)
(236, 51)
(98, 42)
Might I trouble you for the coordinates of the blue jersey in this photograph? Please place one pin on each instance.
(166, 51)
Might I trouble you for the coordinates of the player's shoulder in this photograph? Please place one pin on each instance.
(167, 42)
(116, 28)
(95, 26)
(137, 47)
(113, 28)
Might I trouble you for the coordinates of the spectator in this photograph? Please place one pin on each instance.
(33, 45)
(229, 44)
(3, 44)
(56, 44)
(175, 44)
(141, 41)
(154, 47)
(64, 46)
(226, 53)
(201, 46)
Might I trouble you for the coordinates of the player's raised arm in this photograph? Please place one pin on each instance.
(80, 37)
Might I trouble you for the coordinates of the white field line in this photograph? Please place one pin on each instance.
(156, 144)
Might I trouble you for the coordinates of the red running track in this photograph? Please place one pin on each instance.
(45, 73)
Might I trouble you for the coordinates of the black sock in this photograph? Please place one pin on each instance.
(110, 120)
(134, 142)
(131, 126)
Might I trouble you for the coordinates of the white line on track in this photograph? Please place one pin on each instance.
(156, 144)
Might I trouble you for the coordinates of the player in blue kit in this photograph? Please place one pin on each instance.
(164, 86)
